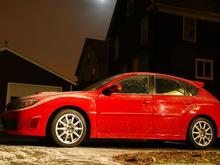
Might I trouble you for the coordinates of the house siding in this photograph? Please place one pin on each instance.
(173, 55)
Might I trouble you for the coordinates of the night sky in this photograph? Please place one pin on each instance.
(52, 33)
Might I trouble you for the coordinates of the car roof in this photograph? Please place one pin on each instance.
(167, 76)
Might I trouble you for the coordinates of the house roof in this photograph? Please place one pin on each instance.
(43, 67)
(200, 9)
(201, 5)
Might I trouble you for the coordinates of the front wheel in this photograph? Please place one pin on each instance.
(68, 128)
(201, 133)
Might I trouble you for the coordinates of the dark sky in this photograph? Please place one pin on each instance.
(52, 32)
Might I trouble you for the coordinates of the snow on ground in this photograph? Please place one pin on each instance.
(25, 155)
(24, 151)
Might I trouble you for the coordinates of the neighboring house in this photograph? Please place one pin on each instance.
(21, 76)
(186, 40)
(125, 45)
(94, 62)
(168, 36)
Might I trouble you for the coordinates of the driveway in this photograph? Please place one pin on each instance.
(16, 150)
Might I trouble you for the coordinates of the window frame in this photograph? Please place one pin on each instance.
(204, 61)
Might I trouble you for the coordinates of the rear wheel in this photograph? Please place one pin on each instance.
(201, 133)
(68, 128)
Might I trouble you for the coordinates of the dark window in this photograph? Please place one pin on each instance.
(193, 91)
(204, 69)
(168, 87)
(135, 84)
(189, 29)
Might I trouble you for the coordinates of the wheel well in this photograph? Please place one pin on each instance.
(206, 117)
(82, 112)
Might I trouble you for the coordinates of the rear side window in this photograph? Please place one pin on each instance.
(193, 91)
(166, 86)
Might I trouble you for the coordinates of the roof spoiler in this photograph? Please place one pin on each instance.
(199, 84)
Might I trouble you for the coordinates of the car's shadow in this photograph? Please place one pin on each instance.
(103, 143)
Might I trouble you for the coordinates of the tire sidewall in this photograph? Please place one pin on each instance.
(52, 130)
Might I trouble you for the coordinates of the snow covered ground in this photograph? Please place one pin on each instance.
(29, 151)
(23, 155)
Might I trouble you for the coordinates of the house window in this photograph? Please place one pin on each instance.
(189, 29)
(204, 69)
(130, 7)
(144, 30)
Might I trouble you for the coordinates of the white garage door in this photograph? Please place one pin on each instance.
(16, 90)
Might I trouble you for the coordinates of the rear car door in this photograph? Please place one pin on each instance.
(171, 101)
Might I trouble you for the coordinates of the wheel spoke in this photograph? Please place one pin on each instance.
(61, 128)
(71, 137)
(77, 123)
(72, 119)
(63, 133)
(204, 126)
(200, 125)
(209, 134)
(197, 127)
(208, 129)
(64, 124)
(196, 138)
(66, 117)
(75, 133)
(66, 138)
(77, 128)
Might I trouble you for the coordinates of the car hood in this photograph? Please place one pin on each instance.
(44, 95)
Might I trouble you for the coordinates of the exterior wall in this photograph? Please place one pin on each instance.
(174, 56)
(130, 54)
(17, 70)
(94, 62)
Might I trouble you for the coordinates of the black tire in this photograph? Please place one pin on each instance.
(201, 133)
(68, 128)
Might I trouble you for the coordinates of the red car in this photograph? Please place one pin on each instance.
(125, 106)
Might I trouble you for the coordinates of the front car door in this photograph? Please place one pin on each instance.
(126, 114)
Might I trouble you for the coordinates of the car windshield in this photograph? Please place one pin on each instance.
(100, 83)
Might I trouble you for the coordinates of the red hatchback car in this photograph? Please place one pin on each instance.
(125, 106)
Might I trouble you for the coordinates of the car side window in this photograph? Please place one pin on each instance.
(135, 84)
(193, 91)
(167, 86)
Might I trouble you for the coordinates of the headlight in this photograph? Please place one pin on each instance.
(20, 104)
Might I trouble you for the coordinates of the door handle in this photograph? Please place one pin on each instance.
(187, 102)
(146, 102)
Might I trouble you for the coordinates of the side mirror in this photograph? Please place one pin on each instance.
(116, 88)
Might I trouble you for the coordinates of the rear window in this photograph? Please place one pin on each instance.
(192, 90)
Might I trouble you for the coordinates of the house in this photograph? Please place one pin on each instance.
(186, 40)
(175, 37)
(21, 76)
(94, 62)
(126, 48)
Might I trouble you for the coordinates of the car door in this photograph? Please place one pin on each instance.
(171, 101)
(126, 114)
